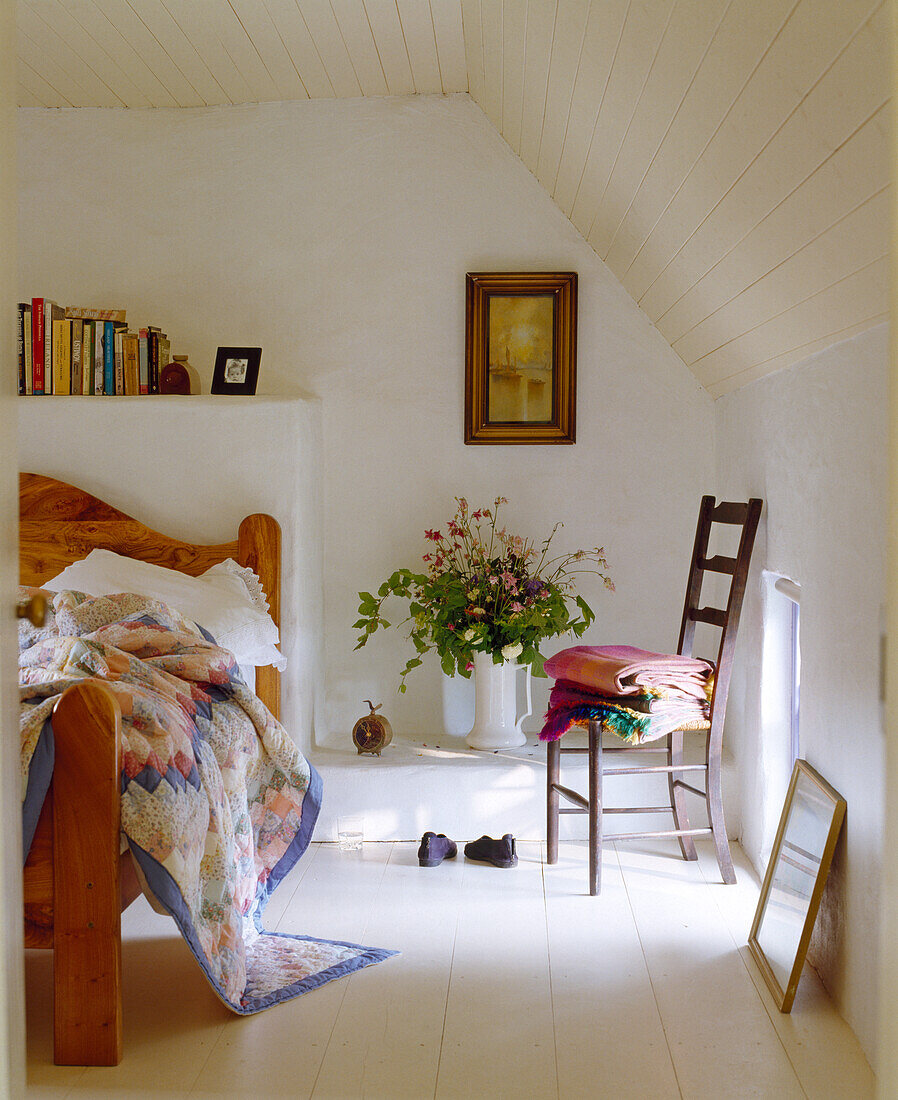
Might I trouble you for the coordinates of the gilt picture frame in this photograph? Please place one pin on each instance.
(793, 885)
(520, 357)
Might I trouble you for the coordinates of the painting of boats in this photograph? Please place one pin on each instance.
(519, 386)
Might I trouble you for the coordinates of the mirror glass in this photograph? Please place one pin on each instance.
(794, 876)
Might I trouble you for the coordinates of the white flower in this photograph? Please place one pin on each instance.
(509, 652)
(468, 635)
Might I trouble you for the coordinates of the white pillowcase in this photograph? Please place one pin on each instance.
(227, 600)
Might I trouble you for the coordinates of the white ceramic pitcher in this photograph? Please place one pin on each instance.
(497, 725)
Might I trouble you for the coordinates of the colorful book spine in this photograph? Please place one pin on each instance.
(99, 358)
(62, 356)
(50, 315)
(153, 356)
(108, 358)
(129, 353)
(77, 330)
(80, 314)
(29, 358)
(87, 358)
(119, 354)
(37, 344)
(143, 362)
(164, 356)
(20, 345)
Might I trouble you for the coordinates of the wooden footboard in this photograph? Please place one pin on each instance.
(72, 883)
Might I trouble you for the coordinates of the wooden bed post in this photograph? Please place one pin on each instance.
(87, 960)
(259, 547)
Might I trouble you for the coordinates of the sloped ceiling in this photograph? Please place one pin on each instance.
(728, 159)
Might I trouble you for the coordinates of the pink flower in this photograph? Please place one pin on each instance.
(517, 606)
(434, 536)
(510, 583)
(427, 557)
(469, 667)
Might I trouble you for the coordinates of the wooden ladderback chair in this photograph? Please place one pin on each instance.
(746, 516)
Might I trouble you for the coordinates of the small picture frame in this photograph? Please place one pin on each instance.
(796, 875)
(236, 370)
(520, 357)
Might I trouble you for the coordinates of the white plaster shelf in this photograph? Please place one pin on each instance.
(440, 785)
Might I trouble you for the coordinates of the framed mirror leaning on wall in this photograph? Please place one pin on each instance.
(796, 875)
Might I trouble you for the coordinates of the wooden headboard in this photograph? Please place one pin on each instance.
(60, 524)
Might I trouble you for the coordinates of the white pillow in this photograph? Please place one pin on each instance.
(227, 600)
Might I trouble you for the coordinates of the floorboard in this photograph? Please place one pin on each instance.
(606, 1018)
(721, 1040)
(498, 1039)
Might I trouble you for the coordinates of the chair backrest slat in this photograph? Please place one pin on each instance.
(712, 615)
(747, 515)
(720, 565)
(729, 512)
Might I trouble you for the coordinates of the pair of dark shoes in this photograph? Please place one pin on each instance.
(435, 847)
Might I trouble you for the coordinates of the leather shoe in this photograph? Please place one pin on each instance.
(501, 853)
(434, 848)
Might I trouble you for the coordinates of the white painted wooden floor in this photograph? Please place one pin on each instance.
(511, 984)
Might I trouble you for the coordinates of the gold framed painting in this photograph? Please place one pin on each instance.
(796, 875)
(520, 357)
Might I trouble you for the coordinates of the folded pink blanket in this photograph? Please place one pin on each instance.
(626, 670)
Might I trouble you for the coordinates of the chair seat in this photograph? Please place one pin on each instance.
(697, 726)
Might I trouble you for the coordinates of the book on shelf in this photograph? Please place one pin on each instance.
(37, 345)
(87, 357)
(119, 354)
(99, 358)
(129, 353)
(77, 313)
(109, 358)
(61, 355)
(76, 328)
(56, 345)
(23, 342)
(143, 361)
(157, 357)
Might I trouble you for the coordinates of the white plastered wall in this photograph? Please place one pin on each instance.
(812, 442)
(337, 234)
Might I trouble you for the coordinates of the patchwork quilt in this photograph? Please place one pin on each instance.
(218, 803)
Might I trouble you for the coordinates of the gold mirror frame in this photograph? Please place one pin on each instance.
(837, 805)
(562, 288)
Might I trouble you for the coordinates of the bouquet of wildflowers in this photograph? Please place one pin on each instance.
(487, 591)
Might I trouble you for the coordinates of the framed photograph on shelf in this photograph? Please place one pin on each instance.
(796, 875)
(520, 357)
(236, 370)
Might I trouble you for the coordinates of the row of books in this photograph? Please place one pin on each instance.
(86, 351)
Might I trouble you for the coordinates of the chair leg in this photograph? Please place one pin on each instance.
(553, 771)
(715, 814)
(678, 795)
(595, 809)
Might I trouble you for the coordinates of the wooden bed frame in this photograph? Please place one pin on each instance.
(75, 882)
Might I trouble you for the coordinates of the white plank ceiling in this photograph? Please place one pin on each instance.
(728, 159)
